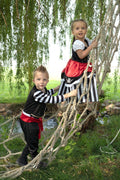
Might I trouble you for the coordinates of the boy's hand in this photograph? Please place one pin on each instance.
(56, 88)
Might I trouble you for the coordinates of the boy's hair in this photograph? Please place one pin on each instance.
(42, 69)
(77, 20)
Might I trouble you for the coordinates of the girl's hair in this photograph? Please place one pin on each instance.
(78, 20)
(72, 25)
(41, 69)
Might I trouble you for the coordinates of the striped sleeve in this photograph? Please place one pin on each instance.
(41, 97)
(50, 91)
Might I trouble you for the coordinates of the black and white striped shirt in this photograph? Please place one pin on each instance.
(36, 101)
(47, 97)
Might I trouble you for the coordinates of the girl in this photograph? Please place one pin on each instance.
(72, 73)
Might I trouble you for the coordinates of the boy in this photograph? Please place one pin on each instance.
(30, 119)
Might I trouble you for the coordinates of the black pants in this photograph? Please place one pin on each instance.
(31, 131)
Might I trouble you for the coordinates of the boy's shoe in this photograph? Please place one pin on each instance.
(42, 164)
(22, 161)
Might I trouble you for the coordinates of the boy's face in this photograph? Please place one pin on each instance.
(40, 80)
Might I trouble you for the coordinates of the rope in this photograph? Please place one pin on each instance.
(115, 151)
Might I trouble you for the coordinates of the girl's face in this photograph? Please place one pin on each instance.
(79, 30)
(40, 80)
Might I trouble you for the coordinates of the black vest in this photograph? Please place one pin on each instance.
(34, 107)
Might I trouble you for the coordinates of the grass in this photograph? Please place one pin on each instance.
(81, 158)
(15, 95)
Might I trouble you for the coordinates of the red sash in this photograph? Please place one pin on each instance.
(28, 119)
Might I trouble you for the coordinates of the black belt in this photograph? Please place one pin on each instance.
(31, 115)
(36, 117)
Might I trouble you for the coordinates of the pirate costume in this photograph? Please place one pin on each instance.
(31, 120)
(73, 72)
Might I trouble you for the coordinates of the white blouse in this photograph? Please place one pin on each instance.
(79, 44)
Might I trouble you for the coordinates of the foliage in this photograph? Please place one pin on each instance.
(26, 28)
(111, 86)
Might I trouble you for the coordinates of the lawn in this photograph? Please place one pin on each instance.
(13, 94)
(81, 158)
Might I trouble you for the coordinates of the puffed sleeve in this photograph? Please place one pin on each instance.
(78, 45)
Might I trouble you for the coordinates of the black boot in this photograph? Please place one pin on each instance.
(34, 155)
(22, 160)
(43, 164)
